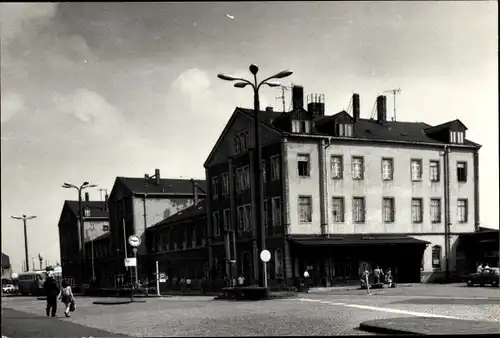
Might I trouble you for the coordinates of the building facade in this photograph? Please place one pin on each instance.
(96, 223)
(136, 204)
(342, 192)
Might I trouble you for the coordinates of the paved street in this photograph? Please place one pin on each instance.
(329, 313)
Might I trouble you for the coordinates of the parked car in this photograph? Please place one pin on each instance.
(9, 288)
(489, 276)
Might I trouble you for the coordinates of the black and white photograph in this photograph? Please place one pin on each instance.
(266, 168)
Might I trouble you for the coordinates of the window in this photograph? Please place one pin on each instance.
(462, 171)
(275, 168)
(305, 209)
(216, 223)
(338, 209)
(434, 171)
(264, 171)
(357, 168)
(242, 178)
(344, 130)
(248, 217)
(225, 184)
(303, 165)
(462, 210)
(337, 167)
(436, 257)
(387, 169)
(87, 212)
(240, 142)
(416, 210)
(266, 223)
(456, 137)
(276, 211)
(240, 217)
(358, 209)
(299, 126)
(416, 170)
(215, 187)
(388, 209)
(227, 219)
(436, 210)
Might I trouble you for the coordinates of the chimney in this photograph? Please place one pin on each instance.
(87, 198)
(298, 97)
(195, 192)
(106, 197)
(355, 107)
(157, 176)
(316, 104)
(269, 109)
(381, 109)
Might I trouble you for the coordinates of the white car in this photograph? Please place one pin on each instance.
(9, 288)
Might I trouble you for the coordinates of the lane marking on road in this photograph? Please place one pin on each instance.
(381, 309)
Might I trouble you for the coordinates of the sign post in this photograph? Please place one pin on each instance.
(265, 256)
(134, 242)
(157, 280)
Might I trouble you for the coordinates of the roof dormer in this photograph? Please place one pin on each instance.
(301, 126)
(449, 132)
(343, 124)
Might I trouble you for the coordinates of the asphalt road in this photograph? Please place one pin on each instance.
(310, 314)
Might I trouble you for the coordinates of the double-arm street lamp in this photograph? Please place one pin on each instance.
(261, 232)
(84, 185)
(24, 218)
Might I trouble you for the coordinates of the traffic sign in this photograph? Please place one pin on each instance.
(163, 278)
(265, 256)
(131, 261)
(134, 241)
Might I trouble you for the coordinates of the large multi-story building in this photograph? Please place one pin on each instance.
(96, 224)
(135, 204)
(342, 192)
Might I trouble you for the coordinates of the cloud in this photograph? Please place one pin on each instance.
(192, 81)
(11, 104)
(19, 18)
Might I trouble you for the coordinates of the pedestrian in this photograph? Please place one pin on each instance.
(480, 267)
(376, 275)
(67, 297)
(364, 278)
(241, 280)
(51, 291)
(388, 277)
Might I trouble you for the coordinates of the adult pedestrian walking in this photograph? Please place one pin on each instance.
(376, 275)
(51, 292)
(68, 298)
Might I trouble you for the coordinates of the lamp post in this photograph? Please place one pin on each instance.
(84, 185)
(261, 233)
(24, 218)
(91, 230)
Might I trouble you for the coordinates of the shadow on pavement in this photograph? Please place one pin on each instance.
(450, 301)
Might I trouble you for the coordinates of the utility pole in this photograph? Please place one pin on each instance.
(394, 92)
(282, 96)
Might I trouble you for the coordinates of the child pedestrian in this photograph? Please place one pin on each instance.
(67, 297)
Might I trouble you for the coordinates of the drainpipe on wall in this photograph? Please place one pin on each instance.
(209, 226)
(476, 190)
(285, 198)
(447, 223)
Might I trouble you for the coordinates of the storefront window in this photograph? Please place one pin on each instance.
(436, 257)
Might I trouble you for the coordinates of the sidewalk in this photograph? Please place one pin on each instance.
(429, 326)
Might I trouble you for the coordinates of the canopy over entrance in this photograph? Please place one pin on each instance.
(356, 240)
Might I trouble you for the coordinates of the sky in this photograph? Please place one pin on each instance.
(91, 91)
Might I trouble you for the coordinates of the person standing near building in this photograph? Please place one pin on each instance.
(480, 268)
(376, 275)
(51, 292)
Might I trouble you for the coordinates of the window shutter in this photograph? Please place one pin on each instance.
(465, 172)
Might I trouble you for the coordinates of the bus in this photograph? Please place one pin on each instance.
(31, 282)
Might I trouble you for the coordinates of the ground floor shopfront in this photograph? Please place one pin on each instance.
(340, 260)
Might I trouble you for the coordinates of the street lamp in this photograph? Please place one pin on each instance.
(24, 218)
(84, 185)
(261, 233)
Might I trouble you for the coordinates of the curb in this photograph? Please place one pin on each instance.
(385, 330)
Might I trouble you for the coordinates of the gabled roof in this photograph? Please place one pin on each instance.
(266, 118)
(445, 126)
(97, 208)
(166, 186)
(194, 211)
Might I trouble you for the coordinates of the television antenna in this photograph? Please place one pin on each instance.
(282, 96)
(394, 92)
(101, 190)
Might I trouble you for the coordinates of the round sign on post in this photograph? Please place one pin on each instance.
(265, 256)
(134, 241)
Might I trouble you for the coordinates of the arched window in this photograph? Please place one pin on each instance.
(436, 257)
(280, 271)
